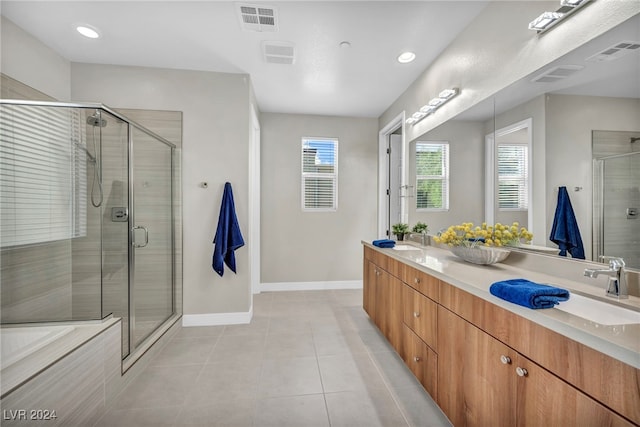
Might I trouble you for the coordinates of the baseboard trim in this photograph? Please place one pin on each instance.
(310, 286)
(217, 319)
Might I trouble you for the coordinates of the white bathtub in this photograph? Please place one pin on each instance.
(19, 342)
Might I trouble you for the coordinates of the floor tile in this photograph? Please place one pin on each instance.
(185, 351)
(199, 331)
(224, 381)
(258, 326)
(330, 343)
(289, 377)
(295, 411)
(374, 408)
(158, 387)
(348, 372)
(243, 349)
(345, 372)
(217, 413)
(151, 417)
(289, 345)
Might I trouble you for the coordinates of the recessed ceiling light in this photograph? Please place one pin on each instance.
(87, 31)
(345, 44)
(406, 57)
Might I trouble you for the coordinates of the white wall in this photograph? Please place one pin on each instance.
(28, 60)
(215, 109)
(466, 163)
(324, 246)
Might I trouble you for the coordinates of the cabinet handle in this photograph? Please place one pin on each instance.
(522, 372)
(505, 359)
(416, 358)
(416, 314)
(416, 280)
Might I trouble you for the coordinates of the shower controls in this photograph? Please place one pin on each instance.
(119, 214)
(632, 213)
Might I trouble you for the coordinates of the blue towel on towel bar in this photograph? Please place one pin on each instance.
(565, 232)
(384, 243)
(529, 294)
(228, 236)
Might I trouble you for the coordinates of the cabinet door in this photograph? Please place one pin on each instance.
(370, 274)
(544, 398)
(421, 315)
(476, 381)
(421, 360)
(389, 308)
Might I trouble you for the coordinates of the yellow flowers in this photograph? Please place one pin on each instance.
(466, 234)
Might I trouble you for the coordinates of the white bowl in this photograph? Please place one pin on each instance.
(480, 254)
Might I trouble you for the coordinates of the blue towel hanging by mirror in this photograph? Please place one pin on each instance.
(565, 232)
(228, 236)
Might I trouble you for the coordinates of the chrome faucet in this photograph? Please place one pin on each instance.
(617, 286)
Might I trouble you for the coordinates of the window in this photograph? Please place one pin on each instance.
(319, 174)
(432, 175)
(43, 181)
(513, 177)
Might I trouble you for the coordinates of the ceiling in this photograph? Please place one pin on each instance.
(361, 80)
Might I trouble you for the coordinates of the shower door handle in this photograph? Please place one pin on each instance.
(146, 236)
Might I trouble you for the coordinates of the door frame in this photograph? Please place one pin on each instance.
(383, 172)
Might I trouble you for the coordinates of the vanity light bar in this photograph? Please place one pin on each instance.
(549, 19)
(545, 20)
(432, 106)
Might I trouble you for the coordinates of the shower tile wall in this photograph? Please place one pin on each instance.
(622, 191)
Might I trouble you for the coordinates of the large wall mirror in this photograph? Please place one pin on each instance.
(581, 114)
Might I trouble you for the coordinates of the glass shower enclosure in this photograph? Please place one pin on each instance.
(88, 205)
(617, 207)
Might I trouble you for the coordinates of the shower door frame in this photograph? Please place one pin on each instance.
(132, 257)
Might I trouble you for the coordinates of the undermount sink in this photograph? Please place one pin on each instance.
(598, 311)
(405, 248)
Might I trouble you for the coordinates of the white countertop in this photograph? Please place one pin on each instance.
(622, 342)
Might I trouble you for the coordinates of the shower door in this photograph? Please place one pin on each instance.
(151, 238)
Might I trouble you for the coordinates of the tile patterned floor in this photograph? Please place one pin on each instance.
(307, 359)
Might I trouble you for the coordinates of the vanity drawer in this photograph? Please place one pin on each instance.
(426, 284)
(420, 314)
(421, 360)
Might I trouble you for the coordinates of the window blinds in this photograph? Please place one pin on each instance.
(43, 182)
(513, 177)
(432, 175)
(319, 174)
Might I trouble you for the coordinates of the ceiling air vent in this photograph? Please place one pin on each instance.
(258, 18)
(554, 74)
(278, 52)
(616, 51)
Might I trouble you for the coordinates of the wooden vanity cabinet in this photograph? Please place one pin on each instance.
(486, 366)
(485, 382)
(382, 296)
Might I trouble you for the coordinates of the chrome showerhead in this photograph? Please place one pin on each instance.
(96, 120)
(635, 139)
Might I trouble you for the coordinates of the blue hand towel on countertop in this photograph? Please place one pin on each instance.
(565, 232)
(529, 294)
(384, 243)
(228, 236)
